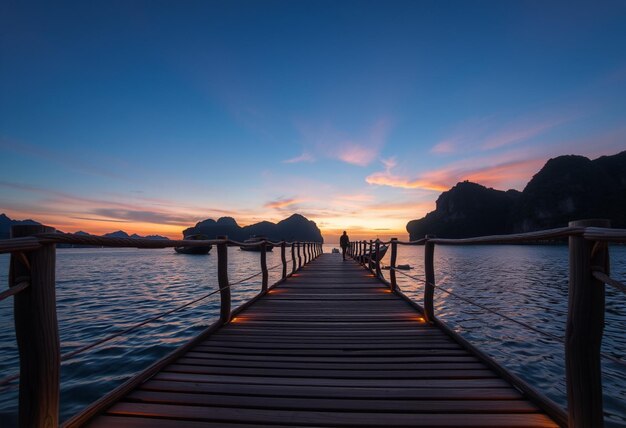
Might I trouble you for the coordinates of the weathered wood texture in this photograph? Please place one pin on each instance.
(585, 325)
(36, 331)
(331, 346)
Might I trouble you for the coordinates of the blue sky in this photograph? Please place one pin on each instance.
(150, 116)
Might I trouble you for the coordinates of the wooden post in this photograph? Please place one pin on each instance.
(370, 263)
(360, 253)
(429, 273)
(377, 263)
(264, 266)
(37, 332)
(283, 259)
(299, 256)
(392, 262)
(293, 257)
(222, 279)
(307, 251)
(583, 332)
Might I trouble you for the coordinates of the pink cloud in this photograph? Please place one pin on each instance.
(505, 170)
(282, 203)
(444, 147)
(325, 141)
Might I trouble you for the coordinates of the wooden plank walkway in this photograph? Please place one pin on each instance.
(331, 346)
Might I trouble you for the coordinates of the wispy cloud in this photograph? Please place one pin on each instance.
(491, 133)
(66, 160)
(444, 147)
(282, 203)
(388, 178)
(325, 141)
(522, 130)
(304, 157)
(509, 170)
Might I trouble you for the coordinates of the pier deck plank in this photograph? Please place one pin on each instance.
(331, 346)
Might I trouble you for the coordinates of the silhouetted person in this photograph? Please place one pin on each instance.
(344, 242)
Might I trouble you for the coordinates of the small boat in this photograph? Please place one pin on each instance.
(382, 250)
(335, 250)
(253, 240)
(194, 250)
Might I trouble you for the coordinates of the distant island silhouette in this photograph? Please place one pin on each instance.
(295, 227)
(6, 223)
(566, 188)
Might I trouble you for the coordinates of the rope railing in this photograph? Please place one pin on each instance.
(119, 333)
(34, 242)
(603, 277)
(32, 268)
(589, 262)
(12, 291)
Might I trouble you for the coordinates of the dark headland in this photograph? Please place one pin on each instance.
(295, 227)
(566, 188)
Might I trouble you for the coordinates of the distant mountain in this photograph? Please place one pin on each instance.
(296, 227)
(6, 223)
(566, 188)
(122, 234)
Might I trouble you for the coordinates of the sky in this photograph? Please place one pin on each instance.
(151, 116)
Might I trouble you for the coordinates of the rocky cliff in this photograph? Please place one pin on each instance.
(296, 227)
(566, 188)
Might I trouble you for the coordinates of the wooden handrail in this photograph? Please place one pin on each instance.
(588, 249)
(32, 269)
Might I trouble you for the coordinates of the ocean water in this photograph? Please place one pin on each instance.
(102, 291)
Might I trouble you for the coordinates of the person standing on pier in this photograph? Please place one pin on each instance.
(344, 242)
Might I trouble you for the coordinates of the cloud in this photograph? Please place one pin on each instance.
(489, 133)
(360, 148)
(282, 203)
(304, 157)
(388, 178)
(520, 131)
(511, 169)
(144, 216)
(64, 159)
(444, 147)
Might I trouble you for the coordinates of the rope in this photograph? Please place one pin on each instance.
(134, 327)
(407, 275)
(601, 276)
(523, 324)
(516, 321)
(72, 354)
(12, 291)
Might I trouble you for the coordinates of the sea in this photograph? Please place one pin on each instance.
(101, 291)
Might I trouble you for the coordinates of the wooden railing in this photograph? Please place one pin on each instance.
(32, 285)
(588, 273)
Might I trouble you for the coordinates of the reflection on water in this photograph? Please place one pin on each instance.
(101, 291)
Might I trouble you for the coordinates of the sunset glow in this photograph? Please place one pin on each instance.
(355, 115)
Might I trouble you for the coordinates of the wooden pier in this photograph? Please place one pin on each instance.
(331, 346)
(332, 343)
